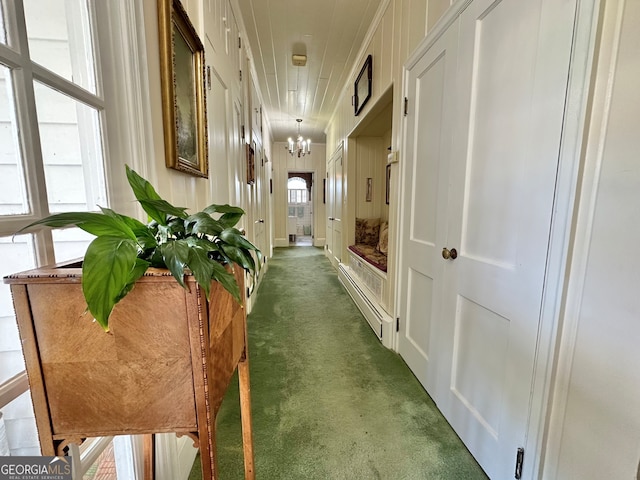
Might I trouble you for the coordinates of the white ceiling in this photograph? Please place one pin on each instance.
(328, 32)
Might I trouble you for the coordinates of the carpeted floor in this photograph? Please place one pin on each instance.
(329, 402)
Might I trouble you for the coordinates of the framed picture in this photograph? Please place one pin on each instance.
(362, 86)
(183, 93)
(369, 189)
(251, 165)
(324, 190)
(388, 189)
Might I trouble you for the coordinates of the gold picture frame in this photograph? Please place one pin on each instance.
(251, 165)
(182, 76)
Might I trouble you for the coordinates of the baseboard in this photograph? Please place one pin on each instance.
(281, 242)
(378, 319)
(284, 242)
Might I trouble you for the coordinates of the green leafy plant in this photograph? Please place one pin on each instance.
(125, 247)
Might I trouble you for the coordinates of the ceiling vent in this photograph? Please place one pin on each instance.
(299, 60)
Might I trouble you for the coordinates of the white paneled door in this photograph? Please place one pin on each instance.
(481, 229)
(425, 201)
(334, 208)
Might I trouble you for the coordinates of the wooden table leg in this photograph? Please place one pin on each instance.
(245, 414)
(208, 458)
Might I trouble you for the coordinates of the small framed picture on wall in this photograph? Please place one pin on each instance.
(388, 184)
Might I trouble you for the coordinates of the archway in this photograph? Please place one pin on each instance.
(300, 209)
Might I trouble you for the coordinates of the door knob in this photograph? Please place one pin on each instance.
(449, 254)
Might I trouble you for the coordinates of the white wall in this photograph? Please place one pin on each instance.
(595, 428)
(371, 159)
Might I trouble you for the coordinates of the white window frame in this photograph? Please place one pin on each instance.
(123, 92)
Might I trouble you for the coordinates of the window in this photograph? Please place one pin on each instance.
(53, 121)
(298, 192)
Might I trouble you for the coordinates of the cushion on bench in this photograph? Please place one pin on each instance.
(371, 255)
(367, 231)
(383, 241)
(371, 241)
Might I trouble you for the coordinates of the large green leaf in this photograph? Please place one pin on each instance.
(164, 208)
(230, 219)
(203, 243)
(223, 209)
(176, 255)
(232, 236)
(227, 280)
(106, 272)
(138, 271)
(142, 189)
(239, 256)
(231, 215)
(202, 268)
(142, 232)
(151, 202)
(202, 223)
(95, 223)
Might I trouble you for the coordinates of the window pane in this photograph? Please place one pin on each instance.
(71, 150)
(70, 243)
(19, 427)
(16, 255)
(104, 468)
(60, 39)
(296, 183)
(13, 199)
(3, 29)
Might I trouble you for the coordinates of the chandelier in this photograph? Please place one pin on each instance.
(301, 146)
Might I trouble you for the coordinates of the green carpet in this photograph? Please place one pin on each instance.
(329, 402)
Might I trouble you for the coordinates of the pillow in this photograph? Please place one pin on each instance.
(367, 231)
(383, 243)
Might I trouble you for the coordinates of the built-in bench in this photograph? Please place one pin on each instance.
(365, 275)
(371, 255)
(372, 241)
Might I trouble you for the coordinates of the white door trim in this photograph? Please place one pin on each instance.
(578, 91)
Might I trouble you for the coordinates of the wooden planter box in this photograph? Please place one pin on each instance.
(163, 367)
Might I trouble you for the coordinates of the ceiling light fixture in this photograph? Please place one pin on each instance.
(301, 146)
(299, 60)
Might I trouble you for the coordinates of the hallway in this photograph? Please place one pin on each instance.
(328, 400)
(301, 241)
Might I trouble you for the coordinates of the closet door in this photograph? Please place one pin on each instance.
(511, 83)
(424, 219)
(334, 208)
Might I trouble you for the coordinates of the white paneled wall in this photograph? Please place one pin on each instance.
(595, 422)
(370, 164)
